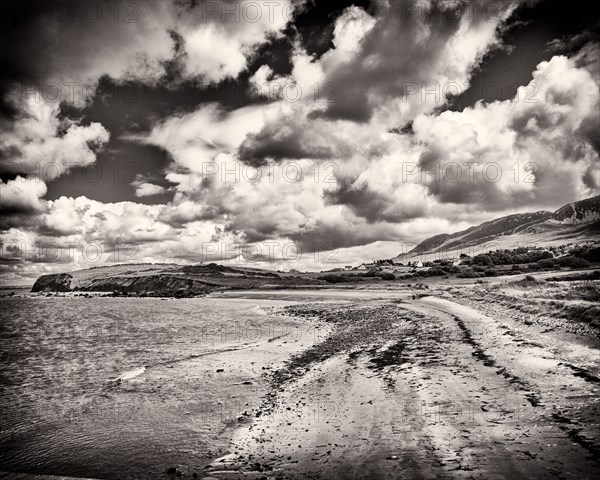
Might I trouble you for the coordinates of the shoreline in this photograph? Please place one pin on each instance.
(189, 399)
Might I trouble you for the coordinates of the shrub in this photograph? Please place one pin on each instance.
(334, 278)
(434, 272)
(484, 260)
(546, 263)
(511, 257)
(595, 275)
(470, 275)
(591, 254)
(572, 262)
(388, 276)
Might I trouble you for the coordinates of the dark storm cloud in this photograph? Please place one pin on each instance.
(59, 49)
(371, 205)
(296, 137)
(326, 236)
(276, 53)
(278, 142)
(19, 64)
(22, 217)
(260, 232)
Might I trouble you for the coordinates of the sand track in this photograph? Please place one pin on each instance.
(443, 392)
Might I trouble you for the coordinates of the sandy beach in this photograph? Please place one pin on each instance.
(425, 386)
(462, 379)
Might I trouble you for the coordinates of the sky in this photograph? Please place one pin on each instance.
(285, 134)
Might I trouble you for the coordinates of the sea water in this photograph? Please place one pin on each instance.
(123, 388)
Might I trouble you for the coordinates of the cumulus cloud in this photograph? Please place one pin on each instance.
(41, 145)
(195, 139)
(350, 29)
(405, 50)
(385, 185)
(220, 36)
(384, 70)
(264, 83)
(537, 147)
(331, 170)
(21, 195)
(145, 189)
(51, 55)
(37, 148)
(208, 41)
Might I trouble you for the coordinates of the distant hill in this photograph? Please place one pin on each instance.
(578, 213)
(163, 280)
(575, 222)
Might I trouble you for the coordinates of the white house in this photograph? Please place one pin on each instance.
(369, 266)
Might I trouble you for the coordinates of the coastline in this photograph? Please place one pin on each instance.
(407, 383)
(155, 403)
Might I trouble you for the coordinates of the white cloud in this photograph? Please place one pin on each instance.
(219, 45)
(397, 59)
(38, 148)
(196, 139)
(533, 148)
(148, 189)
(213, 54)
(265, 84)
(22, 195)
(350, 29)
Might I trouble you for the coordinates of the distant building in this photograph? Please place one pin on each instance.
(369, 266)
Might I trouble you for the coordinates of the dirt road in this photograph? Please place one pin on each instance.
(426, 388)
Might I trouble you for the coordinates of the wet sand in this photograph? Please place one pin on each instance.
(425, 386)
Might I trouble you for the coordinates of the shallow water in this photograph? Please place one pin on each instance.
(124, 388)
